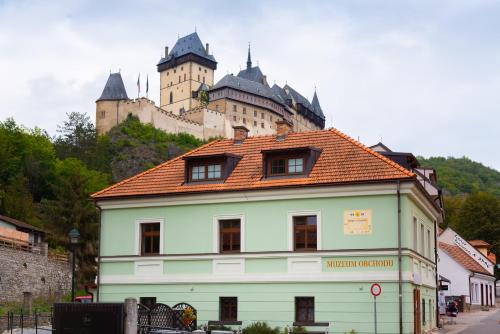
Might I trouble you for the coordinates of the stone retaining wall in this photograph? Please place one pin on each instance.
(22, 271)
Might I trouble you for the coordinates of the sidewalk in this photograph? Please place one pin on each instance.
(465, 320)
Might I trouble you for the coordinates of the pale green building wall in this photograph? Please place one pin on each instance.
(188, 230)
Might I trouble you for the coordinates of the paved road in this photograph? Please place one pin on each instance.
(488, 325)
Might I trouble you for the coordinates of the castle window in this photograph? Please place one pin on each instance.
(271, 118)
(244, 120)
(216, 107)
(244, 111)
(203, 79)
(182, 68)
(179, 78)
(171, 97)
(205, 70)
(262, 125)
(254, 123)
(234, 107)
(199, 69)
(167, 73)
(184, 76)
(234, 118)
(255, 113)
(198, 77)
(262, 115)
(175, 70)
(103, 114)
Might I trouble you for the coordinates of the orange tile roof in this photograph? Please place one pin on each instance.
(479, 243)
(463, 258)
(342, 160)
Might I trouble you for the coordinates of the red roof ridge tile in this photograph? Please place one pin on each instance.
(100, 192)
(369, 150)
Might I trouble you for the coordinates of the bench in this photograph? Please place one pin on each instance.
(309, 324)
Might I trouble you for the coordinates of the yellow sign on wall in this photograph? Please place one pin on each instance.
(358, 222)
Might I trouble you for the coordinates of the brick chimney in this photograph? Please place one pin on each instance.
(166, 51)
(240, 133)
(206, 48)
(283, 128)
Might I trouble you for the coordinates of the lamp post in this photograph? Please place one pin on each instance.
(74, 237)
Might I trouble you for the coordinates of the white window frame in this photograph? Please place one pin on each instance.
(138, 223)
(216, 230)
(292, 214)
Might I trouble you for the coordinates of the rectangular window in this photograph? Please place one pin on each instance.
(415, 234)
(262, 125)
(423, 311)
(234, 107)
(244, 111)
(262, 115)
(228, 308)
(295, 166)
(234, 118)
(198, 173)
(278, 166)
(422, 239)
(429, 244)
(149, 302)
(209, 172)
(150, 238)
(230, 236)
(244, 120)
(304, 309)
(305, 233)
(285, 166)
(254, 113)
(213, 171)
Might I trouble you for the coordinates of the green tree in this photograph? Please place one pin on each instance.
(479, 218)
(71, 208)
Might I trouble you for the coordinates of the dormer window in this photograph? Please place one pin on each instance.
(211, 168)
(211, 171)
(291, 162)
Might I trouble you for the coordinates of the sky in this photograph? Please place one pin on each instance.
(423, 76)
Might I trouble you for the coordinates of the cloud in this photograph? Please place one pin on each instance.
(422, 75)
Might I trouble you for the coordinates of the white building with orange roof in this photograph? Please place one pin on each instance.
(470, 268)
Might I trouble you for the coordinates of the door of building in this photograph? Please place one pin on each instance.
(482, 294)
(417, 325)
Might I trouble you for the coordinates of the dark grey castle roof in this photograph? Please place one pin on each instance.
(188, 44)
(298, 98)
(316, 107)
(252, 73)
(114, 89)
(248, 86)
(279, 92)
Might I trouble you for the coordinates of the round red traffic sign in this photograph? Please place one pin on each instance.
(376, 289)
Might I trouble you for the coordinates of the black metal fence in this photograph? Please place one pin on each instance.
(37, 322)
(181, 316)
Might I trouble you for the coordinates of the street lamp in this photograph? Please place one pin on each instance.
(74, 237)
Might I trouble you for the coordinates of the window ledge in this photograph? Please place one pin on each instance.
(311, 324)
(224, 323)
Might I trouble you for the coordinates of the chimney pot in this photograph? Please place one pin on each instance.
(283, 128)
(240, 133)
(166, 51)
(206, 48)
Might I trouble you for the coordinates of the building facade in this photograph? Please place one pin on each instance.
(290, 229)
(192, 102)
(468, 268)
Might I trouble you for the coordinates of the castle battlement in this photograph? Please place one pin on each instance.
(187, 79)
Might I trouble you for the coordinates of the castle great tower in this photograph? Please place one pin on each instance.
(186, 69)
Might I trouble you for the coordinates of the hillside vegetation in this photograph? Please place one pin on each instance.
(458, 176)
(47, 181)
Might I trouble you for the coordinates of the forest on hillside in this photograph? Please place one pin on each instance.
(47, 181)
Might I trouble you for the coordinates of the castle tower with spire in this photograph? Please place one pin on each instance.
(191, 102)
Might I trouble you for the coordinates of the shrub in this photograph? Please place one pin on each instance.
(260, 328)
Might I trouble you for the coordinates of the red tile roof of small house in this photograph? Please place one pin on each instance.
(342, 161)
(463, 258)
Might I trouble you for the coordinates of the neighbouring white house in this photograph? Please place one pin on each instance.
(470, 269)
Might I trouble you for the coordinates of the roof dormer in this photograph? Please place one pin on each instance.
(289, 162)
(214, 168)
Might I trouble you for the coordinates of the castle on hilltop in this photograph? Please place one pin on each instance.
(190, 101)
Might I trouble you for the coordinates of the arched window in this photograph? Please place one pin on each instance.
(171, 97)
